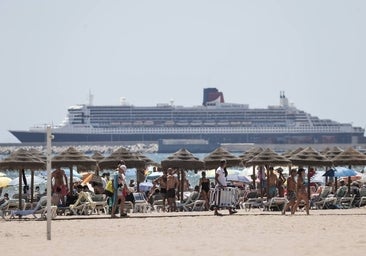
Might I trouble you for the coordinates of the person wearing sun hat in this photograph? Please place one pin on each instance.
(120, 186)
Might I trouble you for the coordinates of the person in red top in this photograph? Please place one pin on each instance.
(59, 183)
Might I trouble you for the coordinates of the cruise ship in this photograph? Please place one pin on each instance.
(214, 121)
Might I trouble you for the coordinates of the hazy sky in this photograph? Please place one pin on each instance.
(53, 52)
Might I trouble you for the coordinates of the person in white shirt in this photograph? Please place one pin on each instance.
(220, 179)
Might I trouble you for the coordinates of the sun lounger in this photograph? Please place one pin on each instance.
(101, 203)
(317, 200)
(84, 205)
(275, 204)
(197, 205)
(141, 204)
(362, 197)
(252, 200)
(252, 203)
(345, 202)
(326, 203)
(128, 206)
(40, 208)
(12, 205)
(227, 197)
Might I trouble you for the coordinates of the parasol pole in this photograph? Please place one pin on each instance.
(253, 178)
(32, 188)
(20, 189)
(183, 179)
(349, 183)
(48, 155)
(309, 183)
(71, 184)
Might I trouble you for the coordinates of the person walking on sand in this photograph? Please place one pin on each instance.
(171, 186)
(119, 191)
(291, 191)
(220, 179)
(301, 193)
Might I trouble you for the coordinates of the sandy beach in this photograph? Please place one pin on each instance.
(336, 232)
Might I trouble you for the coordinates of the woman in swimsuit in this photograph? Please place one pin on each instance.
(301, 192)
(204, 185)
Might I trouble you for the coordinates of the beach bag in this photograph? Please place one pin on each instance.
(122, 192)
(109, 186)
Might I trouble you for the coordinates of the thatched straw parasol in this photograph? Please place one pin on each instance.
(140, 174)
(131, 160)
(249, 154)
(42, 156)
(267, 158)
(71, 157)
(333, 152)
(290, 153)
(183, 160)
(310, 157)
(212, 160)
(349, 157)
(97, 156)
(20, 160)
(147, 160)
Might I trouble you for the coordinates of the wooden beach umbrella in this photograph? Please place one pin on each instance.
(147, 160)
(332, 152)
(22, 159)
(41, 156)
(310, 157)
(131, 160)
(249, 154)
(212, 160)
(349, 157)
(290, 153)
(141, 173)
(97, 156)
(326, 149)
(267, 158)
(72, 157)
(183, 160)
